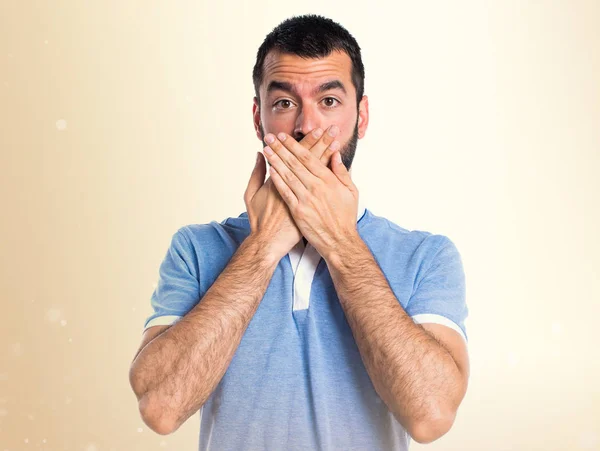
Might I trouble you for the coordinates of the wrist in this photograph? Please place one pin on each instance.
(263, 249)
(344, 250)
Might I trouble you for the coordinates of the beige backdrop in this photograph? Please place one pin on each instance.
(121, 121)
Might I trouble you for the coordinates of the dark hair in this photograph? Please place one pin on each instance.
(310, 36)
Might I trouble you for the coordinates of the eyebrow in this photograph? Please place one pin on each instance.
(287, 87)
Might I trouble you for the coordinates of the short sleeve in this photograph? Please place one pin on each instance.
(177, 290)
(440, 296)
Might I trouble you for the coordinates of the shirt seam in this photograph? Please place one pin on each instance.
(426, 272)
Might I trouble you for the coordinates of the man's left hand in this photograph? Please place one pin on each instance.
(322, 201)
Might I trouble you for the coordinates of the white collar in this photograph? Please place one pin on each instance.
(304, 262)
(361, 209)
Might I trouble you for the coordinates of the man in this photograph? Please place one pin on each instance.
(307, 322)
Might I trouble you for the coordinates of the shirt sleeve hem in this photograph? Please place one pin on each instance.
(439, 319)
(164, 320)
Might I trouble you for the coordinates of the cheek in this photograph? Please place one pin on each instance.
(278, 123)
(346, 122)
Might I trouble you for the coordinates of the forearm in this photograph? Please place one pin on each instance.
(413, 374)
(177, 371)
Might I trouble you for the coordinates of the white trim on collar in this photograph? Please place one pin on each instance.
(361, 209)
(304, 263)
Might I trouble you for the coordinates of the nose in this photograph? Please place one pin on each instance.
(307, 120)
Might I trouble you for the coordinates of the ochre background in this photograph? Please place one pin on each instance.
(122, 121)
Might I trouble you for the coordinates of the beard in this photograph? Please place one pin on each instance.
(347, 151)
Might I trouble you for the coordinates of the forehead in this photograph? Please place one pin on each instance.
(306, 73)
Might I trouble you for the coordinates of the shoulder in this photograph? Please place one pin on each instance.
(381, 230)
(212, 244)
(230, 229)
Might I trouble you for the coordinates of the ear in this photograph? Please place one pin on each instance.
(363, 116)
(256, 118)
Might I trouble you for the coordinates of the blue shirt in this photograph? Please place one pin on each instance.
(297, 380)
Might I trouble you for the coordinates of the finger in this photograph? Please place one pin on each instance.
(283, 189)
(257, 178)
(318, 141)
(301, 162)
(326, 157)
(311, 138)
(319, 148)
(291, 179)
(288, 159)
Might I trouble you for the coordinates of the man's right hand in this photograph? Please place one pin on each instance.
(268, 213)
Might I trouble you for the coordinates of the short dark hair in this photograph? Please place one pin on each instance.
(310, 36)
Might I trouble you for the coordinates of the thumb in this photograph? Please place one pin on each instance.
(257, 178)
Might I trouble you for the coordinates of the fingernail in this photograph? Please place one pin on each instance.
(334, 145)
(269, 138)
(333, 130)
(318, 133)
(268, 150)
(281, 136)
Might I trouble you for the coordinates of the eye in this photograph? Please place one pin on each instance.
(331, 102)
(286, 104)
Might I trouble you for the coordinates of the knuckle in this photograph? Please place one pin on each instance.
(288, 177)
(315, 187)
(325, 156)
(298, 211)
(307, 142)
(294, 165)
(305, 158)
